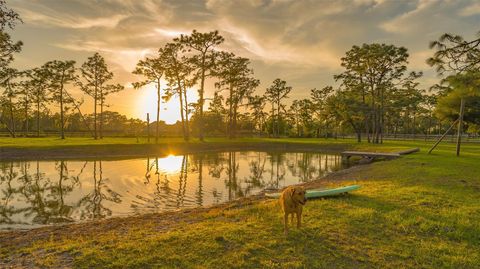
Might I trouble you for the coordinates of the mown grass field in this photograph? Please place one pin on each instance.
(128, 147)
(418, 211)
(55, 142)
(53, 147)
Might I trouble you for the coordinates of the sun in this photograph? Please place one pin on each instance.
(169, 111)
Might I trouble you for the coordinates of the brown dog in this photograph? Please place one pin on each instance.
(292, 201)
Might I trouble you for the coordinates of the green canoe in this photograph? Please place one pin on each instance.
(321, 192)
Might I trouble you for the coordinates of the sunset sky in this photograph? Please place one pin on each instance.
(299, 41)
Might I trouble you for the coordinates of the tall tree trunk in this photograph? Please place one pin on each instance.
(234, 129)
(405, 123)
(278, 119)
(7, 127)
(367, 127)
(273, 119)
(429, 125)
(378, 125)
(182, 116)
(187, 125)
(201, 101)
(148, 127)
(12, 118)
(382, 115)
(26, 116)
(374, 114)
(326, 128)
(395, 129)
(230, 113)
(102, 103)
(365, 112)
(297, 123)
(374, 124)
(460, 125)
(413, 125)
(62, 120)
(373, 128)
(357, 130)
(95, 99)
(38, 118)
(158, 111)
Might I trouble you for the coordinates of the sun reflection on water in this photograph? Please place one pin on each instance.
(171, 164)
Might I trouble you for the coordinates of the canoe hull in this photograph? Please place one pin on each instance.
(315, 193)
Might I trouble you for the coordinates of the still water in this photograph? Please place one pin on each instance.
(37, 193)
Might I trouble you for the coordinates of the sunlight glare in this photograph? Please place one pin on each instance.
(169, 112)
(171, 164)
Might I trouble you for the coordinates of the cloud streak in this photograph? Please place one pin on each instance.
(300, 40)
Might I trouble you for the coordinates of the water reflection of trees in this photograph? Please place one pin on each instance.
(215, 163)
(6, 183)
(93, 204)
(231, 182)
(182, 182)
(41, 199)
(265, 170)
(277, 169)
(199, 192)
(312, 166)
(51, 207)
(28, 195)
(302, 166)
(257, 167)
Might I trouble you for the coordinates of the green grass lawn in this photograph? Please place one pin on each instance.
(83, 141)
(52, 142)
(55, 142)
(418, 211)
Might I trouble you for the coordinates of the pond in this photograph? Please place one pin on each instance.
(35, 193)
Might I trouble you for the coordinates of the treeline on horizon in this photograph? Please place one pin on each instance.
(377, 95)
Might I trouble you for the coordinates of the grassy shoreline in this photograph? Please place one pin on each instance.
(416, 211)
(86, 148)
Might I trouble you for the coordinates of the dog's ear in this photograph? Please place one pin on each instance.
(293, 191)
